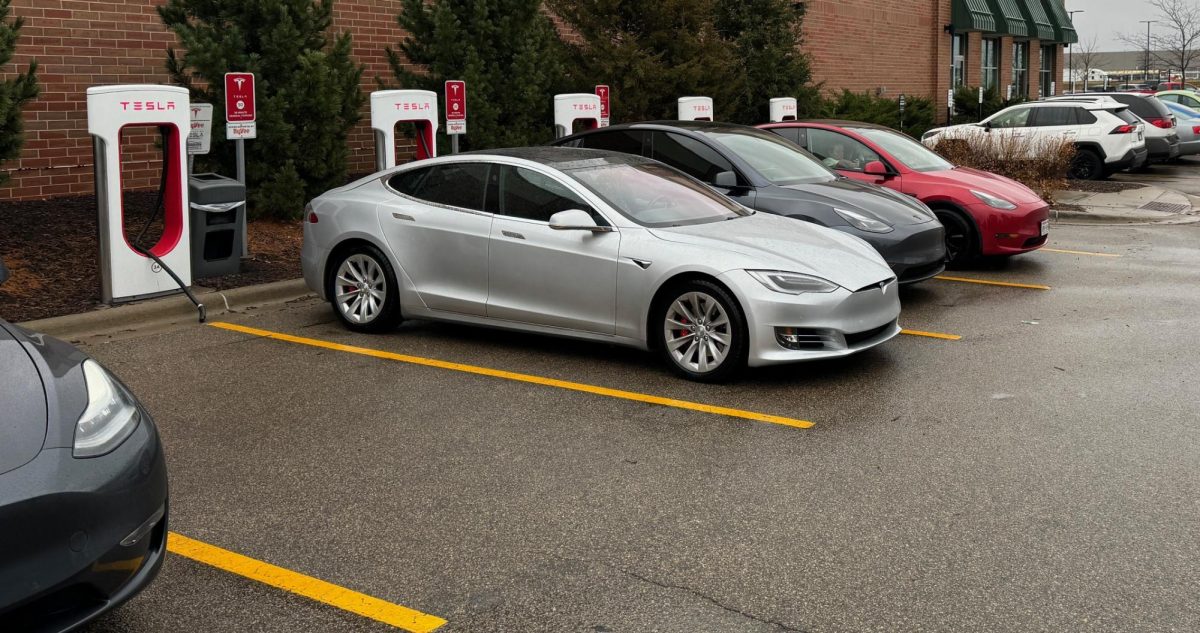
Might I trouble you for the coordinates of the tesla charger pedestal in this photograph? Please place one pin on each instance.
(783, 109)
(126, 274)
(572, 108)
(695, 109)
(391, 107)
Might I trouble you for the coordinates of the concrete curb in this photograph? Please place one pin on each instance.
(1090, 217)
(166, 311)
(1125, 207)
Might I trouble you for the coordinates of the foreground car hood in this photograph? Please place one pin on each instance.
(850, 194)
(771, 242)
(990, 183)
(22, 404)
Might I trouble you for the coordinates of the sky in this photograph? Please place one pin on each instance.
(1107, 19)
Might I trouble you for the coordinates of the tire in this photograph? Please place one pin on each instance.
(961, 244)
(1087, 165)
(701, 312)
(362, 289)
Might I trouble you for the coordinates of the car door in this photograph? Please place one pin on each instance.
(848, 156)
(544, 276)
(1012, 124)
(439, 232)
(698, 160)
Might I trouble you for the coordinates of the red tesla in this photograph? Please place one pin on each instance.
(984, 214)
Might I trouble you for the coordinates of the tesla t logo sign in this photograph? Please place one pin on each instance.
(456, 107)
(603, 92)
(239, 97)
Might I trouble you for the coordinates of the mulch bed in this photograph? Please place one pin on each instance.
(51, 247)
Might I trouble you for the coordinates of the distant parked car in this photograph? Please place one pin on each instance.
(1107, 136)
(767, 173)
(1182, 97)
(1187, 126)
(984, 214)
(1161, 140)
(83, 486)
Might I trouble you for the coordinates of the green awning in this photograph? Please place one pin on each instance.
(1064, 31)
(1009, 20)
(1035, 15)
(972, 15)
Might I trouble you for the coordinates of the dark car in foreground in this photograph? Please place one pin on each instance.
(83, 486)
(768, 173)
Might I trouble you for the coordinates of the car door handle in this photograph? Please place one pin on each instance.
(513, 235)
(401, 216)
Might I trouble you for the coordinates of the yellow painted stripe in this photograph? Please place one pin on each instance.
(945, 337)
(509, 375)
(986, 282)
(1063, 250)
(307, 586)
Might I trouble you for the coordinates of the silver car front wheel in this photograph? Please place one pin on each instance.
(703, 332)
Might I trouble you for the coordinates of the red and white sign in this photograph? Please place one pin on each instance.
(456, 107)
(603, 91)
(200, 136)
(239, 106)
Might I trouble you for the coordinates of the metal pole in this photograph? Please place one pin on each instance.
(453, 143)
(1071, 52)
(1146, 72)
(240, 144)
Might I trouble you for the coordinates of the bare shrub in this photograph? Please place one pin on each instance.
(1038, 163)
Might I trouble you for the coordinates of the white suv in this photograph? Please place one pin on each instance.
(1108, 138)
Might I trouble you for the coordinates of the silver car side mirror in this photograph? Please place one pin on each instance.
(576, 220)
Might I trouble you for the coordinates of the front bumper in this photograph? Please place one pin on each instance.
(62, 523)
(840, 323)
(914, 252)
(1011, 232)
(311, 259)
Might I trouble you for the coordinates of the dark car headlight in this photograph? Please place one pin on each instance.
(110, 417)
(863, 222)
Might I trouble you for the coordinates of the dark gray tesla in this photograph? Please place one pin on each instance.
(83, 486)
(768, 173)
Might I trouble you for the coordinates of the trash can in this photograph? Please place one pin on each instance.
(217, 204)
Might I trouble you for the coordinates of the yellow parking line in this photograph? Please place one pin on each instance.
(509, 375)
(945, 337)
(307, 586)
(986, 282)
(1063, 250)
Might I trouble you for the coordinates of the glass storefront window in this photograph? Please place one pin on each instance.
(991, 63)
(1020, 70)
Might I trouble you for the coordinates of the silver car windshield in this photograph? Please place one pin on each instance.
(777, 159)
(655, 195)
(913, 154)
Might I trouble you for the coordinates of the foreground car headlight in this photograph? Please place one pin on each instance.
(110, 417)
(993, 201)
(792, 283)
(863, 222)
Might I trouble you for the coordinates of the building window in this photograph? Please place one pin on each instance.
(1020, 70)
(1046, 70)
(991, 64)
(958, 61)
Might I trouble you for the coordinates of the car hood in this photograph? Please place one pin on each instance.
(22, 401)
(987, 182)
(844, 193)
(770, 242)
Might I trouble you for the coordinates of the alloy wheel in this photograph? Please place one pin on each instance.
(361, 288)
(697, 331)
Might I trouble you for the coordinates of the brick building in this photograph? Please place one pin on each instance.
(890, 47)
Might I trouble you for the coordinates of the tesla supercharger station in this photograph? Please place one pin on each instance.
(392, 107)
(573, 108)
(125, 273)
(695, 109)
(783, 109)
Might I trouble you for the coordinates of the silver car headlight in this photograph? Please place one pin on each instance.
(993, 201)
(863, 222)
(792, 283)
(110, 417)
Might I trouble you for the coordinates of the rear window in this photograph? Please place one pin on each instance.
(1145, 107)
(1126, 116)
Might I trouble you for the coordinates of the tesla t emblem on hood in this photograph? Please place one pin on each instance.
(643, 263)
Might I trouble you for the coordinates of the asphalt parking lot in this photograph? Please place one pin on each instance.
(1037, 474)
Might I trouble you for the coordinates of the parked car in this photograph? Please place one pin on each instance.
(767, 173)
(1161, 139)
(1138, 88)
(1187, 125)
(1107, 136)
(83, 486)
(1174, 85)
(984, 214)
(1182, 97)
(600, 246)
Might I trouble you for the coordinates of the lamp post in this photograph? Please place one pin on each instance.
(1071, 53)
(1146, 72)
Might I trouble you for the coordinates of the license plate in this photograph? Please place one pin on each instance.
(1045, 227)
(1139, 136)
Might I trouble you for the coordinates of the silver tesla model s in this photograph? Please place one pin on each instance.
(595, 245)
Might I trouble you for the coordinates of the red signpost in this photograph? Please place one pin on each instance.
(603, 91)
(239, 97)
(456, 111)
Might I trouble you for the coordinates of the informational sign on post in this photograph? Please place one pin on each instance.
(950, 101)
(456, 107)
(603, 92)
(981, 95)
(1053, 88)
(199, 139)
(240, 111)
(903, 103)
